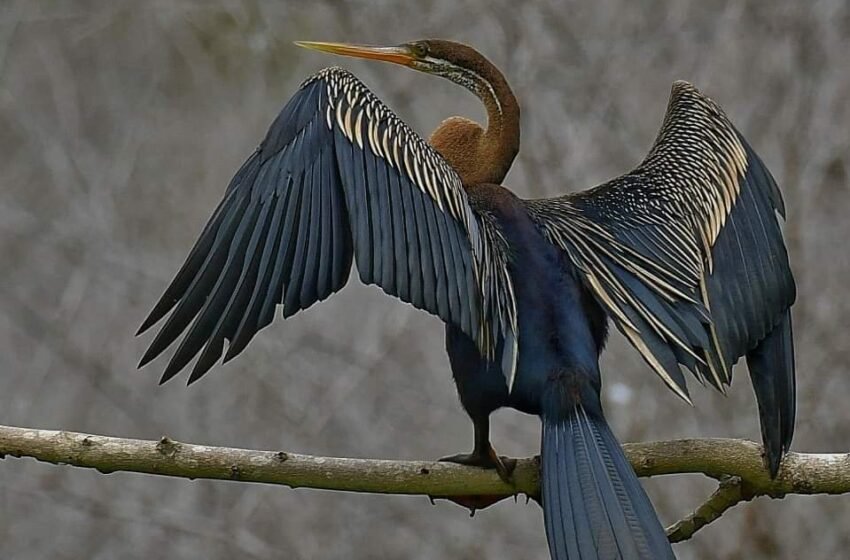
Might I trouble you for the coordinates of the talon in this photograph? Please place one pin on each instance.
(504, 466)
(469, 459)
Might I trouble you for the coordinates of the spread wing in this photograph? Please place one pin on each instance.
(686, 254)
(338, 178)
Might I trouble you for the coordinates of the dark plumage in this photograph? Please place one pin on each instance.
(690, 244)
(684, 255)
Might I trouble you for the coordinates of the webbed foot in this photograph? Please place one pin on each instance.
(504, 466)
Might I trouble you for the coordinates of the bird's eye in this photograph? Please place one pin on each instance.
(419, 49)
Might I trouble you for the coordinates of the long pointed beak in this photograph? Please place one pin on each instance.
(398, 55)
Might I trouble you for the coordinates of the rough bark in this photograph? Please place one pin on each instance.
(736, 463)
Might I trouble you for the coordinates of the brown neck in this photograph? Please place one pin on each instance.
(501, 141)
(478, 155)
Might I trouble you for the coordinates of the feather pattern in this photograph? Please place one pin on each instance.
(339, 178)
(685, 252)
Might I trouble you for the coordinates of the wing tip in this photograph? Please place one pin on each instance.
(144, 327)
(196, 374)
(167, 375)
(150, 355)
(682, 392)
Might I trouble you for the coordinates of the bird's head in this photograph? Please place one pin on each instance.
(451, 60)
(457, 138)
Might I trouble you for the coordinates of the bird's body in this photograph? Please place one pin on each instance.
(594, 505)
(561, 327)
(683, 255)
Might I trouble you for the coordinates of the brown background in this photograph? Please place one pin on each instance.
(120, 125)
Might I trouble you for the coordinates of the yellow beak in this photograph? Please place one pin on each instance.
(398, 55)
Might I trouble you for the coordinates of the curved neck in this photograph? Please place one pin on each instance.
(501, 139)
(478, 155)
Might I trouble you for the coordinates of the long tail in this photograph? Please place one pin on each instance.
(593, 504)
(771, 366)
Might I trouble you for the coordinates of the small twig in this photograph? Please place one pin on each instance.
(729, 493)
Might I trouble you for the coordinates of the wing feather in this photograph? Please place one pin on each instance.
(686, 254)
(338, 179)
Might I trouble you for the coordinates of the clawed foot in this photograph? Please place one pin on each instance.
(504, 465)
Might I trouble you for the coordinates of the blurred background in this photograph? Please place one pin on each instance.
(120, 125)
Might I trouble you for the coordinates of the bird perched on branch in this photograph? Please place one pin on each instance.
(683, 254)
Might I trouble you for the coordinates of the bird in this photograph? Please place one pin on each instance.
(683, 254)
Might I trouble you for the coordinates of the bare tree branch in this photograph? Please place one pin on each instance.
(737, 463)
(730, 493)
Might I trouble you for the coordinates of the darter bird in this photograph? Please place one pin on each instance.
(684, 255)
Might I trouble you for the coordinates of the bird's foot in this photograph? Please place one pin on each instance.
(504, 466)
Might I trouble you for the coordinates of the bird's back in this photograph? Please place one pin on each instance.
(560, 325)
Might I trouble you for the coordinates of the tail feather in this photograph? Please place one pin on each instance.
(771, 366)
(593, 503)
